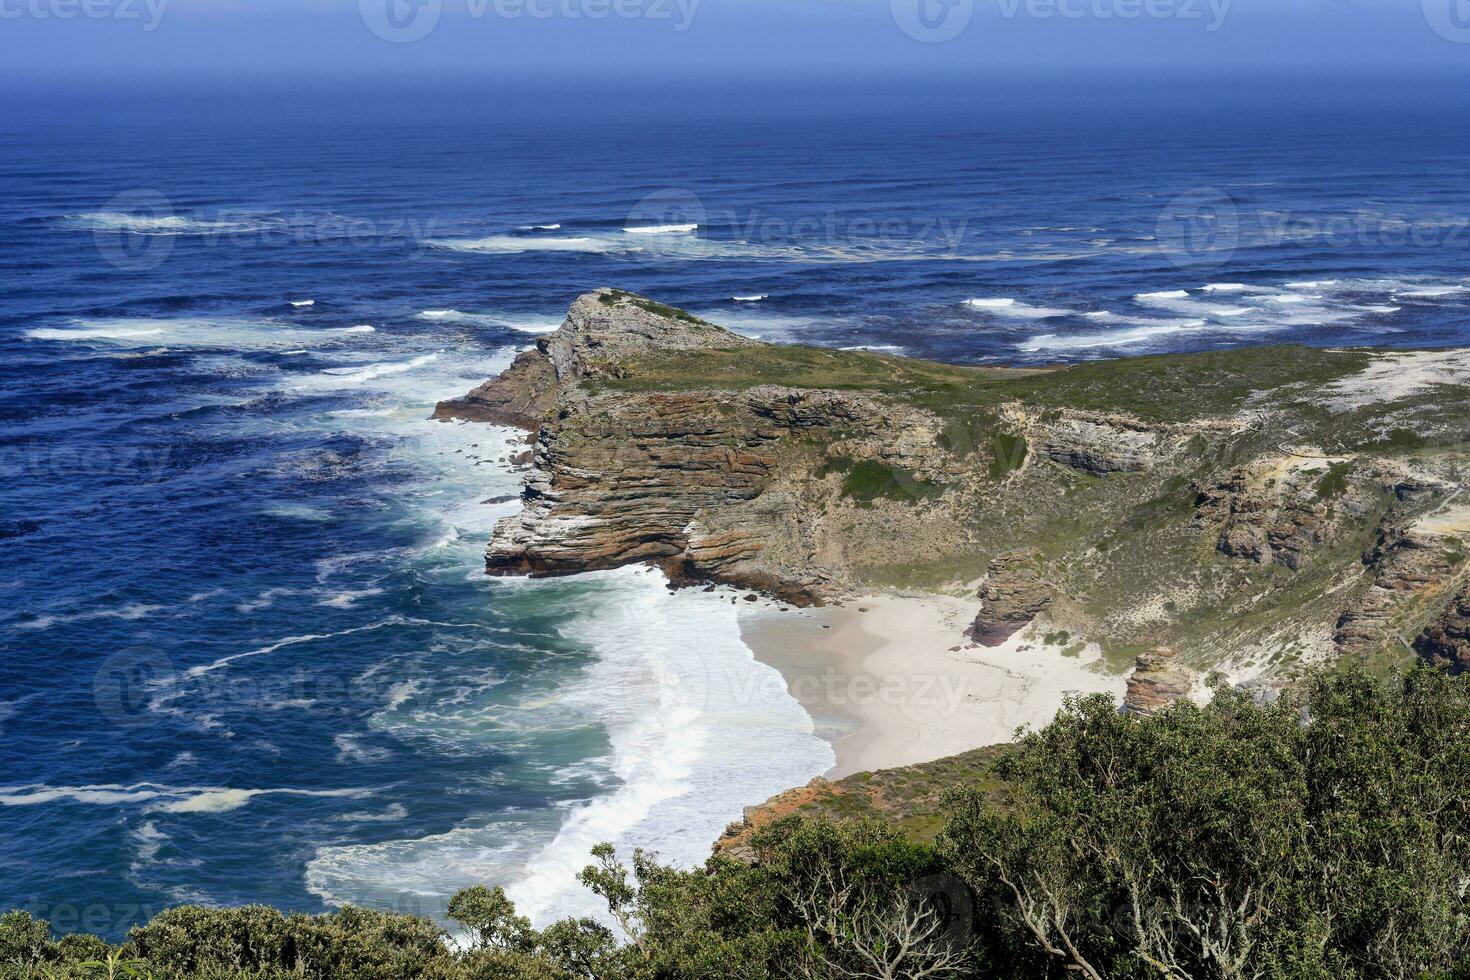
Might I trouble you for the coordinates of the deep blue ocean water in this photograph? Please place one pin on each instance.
(246, 654)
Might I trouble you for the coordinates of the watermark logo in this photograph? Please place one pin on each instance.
(1199, 228)
(128, 238)
(664, 224)
(680, 690)
(932, 21)
(147, 13)
(672, 210)
(1450, 19)
(138, 230)
(124, 686)
(401, 21)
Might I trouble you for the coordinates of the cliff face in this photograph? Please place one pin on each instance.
(1212, 503)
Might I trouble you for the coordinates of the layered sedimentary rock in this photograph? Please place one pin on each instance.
(683, 479)
(1275, 510)
(1411, 567)
(1158, 681)
(1202, 501)
(1014, 594)
(1447, 643)
(1100, 444)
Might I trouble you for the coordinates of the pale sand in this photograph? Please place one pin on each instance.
(887, 689)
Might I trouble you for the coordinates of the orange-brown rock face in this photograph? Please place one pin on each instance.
(681, 479)
(1158, 681)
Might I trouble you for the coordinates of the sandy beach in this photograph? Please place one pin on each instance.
(892, 680)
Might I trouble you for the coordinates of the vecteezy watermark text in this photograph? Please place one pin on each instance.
(1211, 13)
(1206, 226)
(936, 21)
(405, 21)
(148, 13)
(137, 230)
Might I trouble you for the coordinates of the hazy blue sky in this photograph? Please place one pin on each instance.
(121, 40)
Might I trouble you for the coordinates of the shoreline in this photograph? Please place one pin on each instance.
(892, 680)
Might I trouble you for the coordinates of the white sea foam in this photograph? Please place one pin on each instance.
(303, 302)
(1255, 309)
(522, 323)
(697, 730)
(348, 599)
(96, 333)
(554, 226)
(230, 333)
(370, 372)
(1433, 292)
(1005, 306)
(148, 840)
(134, 610)
(1143, 332)
(350, 749)
(394, 813)
(166, 799)
(142, 224)
(515, 245)
(650, 243)
(749, 299)
(661, 229)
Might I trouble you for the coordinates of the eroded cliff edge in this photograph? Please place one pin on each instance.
(1256, 510)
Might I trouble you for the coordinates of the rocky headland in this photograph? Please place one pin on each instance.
(1226, 517)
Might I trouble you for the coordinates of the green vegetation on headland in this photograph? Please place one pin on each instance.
(1325, 836)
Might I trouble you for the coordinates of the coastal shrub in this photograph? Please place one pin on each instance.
(1323, 835)
(1326, 835)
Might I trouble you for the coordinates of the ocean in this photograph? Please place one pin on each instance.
(247, 651)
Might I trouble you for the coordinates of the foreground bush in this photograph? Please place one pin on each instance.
(1326, 835)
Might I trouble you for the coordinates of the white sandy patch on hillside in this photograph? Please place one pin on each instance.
(1392, 377)
(1453, 519)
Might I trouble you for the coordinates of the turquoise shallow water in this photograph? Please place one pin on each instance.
(246, 653)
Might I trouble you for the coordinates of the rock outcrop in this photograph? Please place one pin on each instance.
(1274, 511)
(1158, 681)
(684, 479)
(1015, 592)
(1410, 566)
(1102, 444)
(1447, 643)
